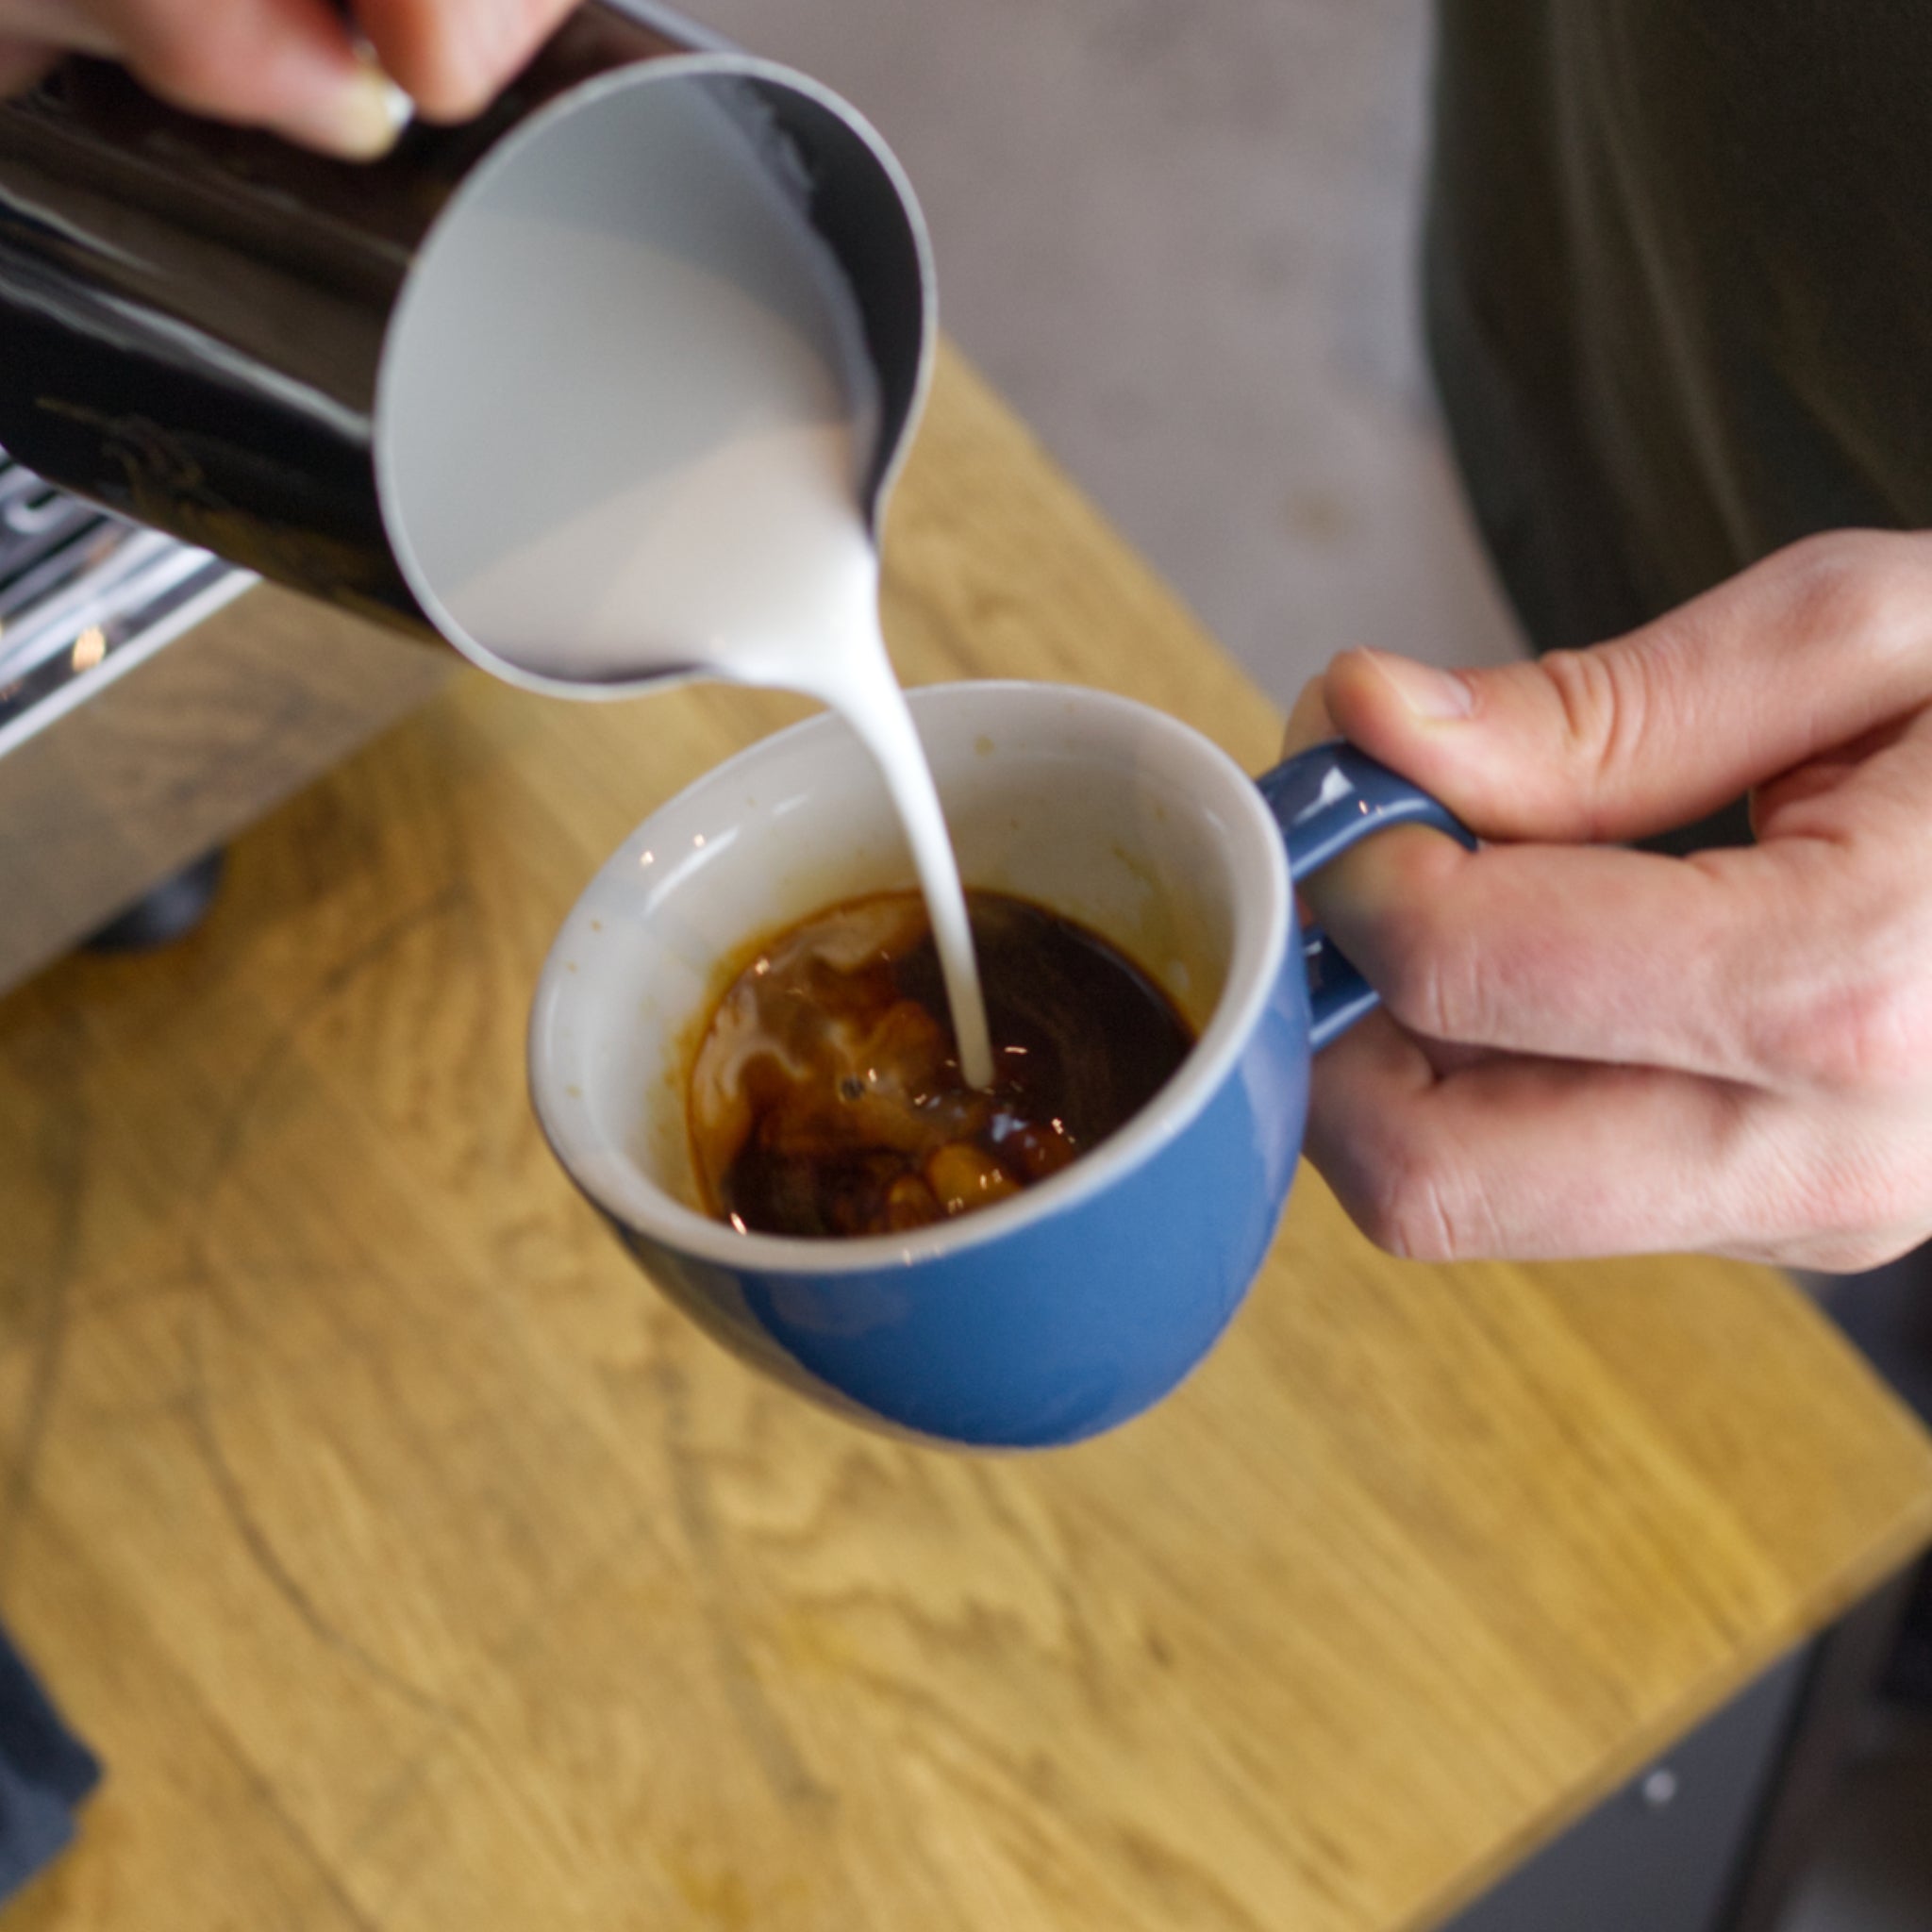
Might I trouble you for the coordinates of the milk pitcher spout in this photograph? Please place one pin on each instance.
(212, 332)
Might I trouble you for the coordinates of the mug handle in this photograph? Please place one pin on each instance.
(1327, 799)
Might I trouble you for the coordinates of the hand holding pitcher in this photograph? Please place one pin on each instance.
(300, 67)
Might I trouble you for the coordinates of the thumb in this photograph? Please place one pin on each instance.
(1814, 646)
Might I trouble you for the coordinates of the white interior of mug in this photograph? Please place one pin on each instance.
(1111, 814)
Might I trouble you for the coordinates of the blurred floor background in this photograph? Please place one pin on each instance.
(1179, 239)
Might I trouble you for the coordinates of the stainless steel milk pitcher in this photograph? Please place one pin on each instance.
(194, 318)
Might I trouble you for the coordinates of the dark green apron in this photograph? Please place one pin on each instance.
(1678, 283)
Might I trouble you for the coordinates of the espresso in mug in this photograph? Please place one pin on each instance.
(826, 1097)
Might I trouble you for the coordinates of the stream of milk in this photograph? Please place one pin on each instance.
(678, 477)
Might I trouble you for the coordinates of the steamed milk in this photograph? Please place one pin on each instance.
(704, 510)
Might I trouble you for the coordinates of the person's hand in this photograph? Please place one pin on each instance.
(1588, 1050)
(291, 65)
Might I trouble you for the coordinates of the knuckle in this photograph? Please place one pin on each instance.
(1431, 966)
(1435, 991)
(1608, 706)
(1417, 974)
(1870, 587)
(1417, 1207)
(1839, 997)
(1870, 1034)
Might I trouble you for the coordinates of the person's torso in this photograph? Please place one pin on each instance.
(1680, 269)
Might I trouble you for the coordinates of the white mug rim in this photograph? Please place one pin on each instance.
(1264, 922)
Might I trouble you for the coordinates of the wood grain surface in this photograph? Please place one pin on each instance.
(414, 1567)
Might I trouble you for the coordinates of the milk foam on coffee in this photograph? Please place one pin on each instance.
(705, 508)
(823, 1098)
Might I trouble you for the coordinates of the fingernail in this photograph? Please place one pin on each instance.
(360, 120)
(1437, 695)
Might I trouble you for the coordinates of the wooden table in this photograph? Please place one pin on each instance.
(413, 1566)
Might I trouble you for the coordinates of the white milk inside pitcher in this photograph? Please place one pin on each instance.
(628, 412)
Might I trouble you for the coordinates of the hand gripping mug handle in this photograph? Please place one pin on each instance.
(1327, 799)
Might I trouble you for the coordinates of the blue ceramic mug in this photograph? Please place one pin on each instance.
(1071, 1307)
